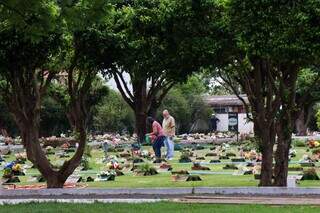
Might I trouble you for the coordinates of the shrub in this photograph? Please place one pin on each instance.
(184, 158)
(299, 143)
(310, 174)
(146, 170)
(85, 163)
(316, 151)
(295, 168)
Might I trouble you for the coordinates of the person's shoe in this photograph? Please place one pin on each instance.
(169, 158)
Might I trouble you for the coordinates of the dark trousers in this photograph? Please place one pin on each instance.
(157, 144)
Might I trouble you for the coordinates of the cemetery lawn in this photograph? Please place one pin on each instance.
(152, 207)
(222, 178)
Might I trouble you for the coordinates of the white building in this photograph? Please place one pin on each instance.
(230, 110)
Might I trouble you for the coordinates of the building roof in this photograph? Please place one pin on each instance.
(225, 100)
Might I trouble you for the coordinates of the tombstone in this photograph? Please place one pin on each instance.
(212, 154)
(307, 164)
(197, 166)
(238, 160)
(200, 158)
(230, 166)
(106, 177)
(194, 178)
(73, 179)
(89, 179)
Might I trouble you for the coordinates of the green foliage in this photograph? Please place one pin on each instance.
(85, 163)
(318, 118)
(316, 151)
(299, 143)
(278, 31)
(146, 169)
(53, 118)
(185, 103)
(251, 144)
(6, 119)
(87, 151)
(310, 174)
(113, 115)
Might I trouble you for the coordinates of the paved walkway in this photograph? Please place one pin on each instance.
(250, 200)
(315, 201)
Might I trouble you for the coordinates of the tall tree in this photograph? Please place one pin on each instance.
(272, 44)
(35, 45)
(29, 44)
(307, 95)
(155, 44)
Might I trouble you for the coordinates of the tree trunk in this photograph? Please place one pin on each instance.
(266, 167)
(140, 109)
(34, 150)
(301, 124)
(154, 106)
(267, 143)
(285, 124)
(282, 159)
(141, 124)
(54, 181)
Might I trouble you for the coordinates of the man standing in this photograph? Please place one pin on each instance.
(214, 120)
(169, 128)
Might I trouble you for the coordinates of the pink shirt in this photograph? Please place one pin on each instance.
(157, 129)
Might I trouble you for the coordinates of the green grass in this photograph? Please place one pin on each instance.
(152, 207)
(164, 179)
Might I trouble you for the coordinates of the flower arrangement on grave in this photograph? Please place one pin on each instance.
(12, 169)
(197, 166)
(166, 166)
(181, 175)
(65, 145)
(313, 144)
(7, 172)
(185, 157)
(113, 165)
(316, 151)
(21, 157)
(145, 170)
(106, 176)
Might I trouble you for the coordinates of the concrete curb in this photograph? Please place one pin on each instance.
(87, 201)
(270, 191)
